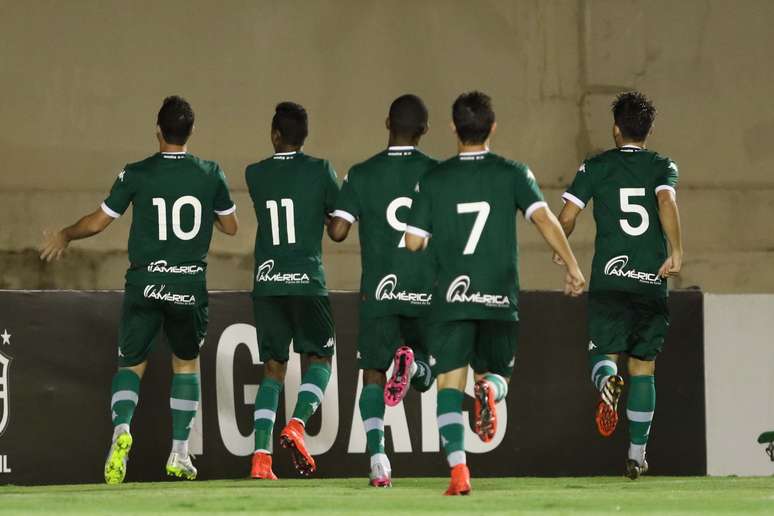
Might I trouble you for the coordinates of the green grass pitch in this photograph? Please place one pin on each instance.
(599, 495)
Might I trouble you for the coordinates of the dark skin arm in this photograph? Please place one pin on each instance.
(228, 224)
(338, 229)
(55, 242)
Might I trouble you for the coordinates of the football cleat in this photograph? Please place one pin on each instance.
(398, 384)
(181, 466)
(484, 410)
(118, 456)
(380, 471)
(634, 469)
(460, 481)
(292, 438)
(607, 408)
(261, 467)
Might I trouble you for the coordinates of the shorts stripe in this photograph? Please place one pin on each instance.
(639, 417)
(184, 405)
(310, 387)
(455, 458)
(124, 396)
(451, 418)
(264, 414)
(374, 423)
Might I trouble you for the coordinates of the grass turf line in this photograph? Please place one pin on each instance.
(594, 495)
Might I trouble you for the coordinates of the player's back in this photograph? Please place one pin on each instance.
(630, 245)
(378, 193)
(292, 195)
(474, 198)
(175, 198)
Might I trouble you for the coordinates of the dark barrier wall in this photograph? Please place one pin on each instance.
(59, 354)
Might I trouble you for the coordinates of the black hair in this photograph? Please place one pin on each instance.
(292, 123)
(408, 116)
(633, 113)
(473, 117)
(176, 120)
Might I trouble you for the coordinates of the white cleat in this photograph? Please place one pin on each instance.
(381, 473)
(181, 466)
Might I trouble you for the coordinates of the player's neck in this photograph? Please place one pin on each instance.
(285, 149)
(463, 148)
(396, 141)
(168, 147)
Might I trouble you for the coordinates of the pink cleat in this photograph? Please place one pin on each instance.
(398, 384)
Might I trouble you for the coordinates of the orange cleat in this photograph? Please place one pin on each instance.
(484, 410)
(460, 481)
(262, 467)
(292, 438)
(607, 408)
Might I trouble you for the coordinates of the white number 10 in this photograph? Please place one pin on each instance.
(161, 206)
(481, 209)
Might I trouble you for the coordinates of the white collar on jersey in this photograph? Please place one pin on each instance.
(400, 148)
(291, 153)
(630, 147)
(173, 155)
(473, 153)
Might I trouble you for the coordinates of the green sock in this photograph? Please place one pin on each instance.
(125, 389)
(640, 407)
(372, 412)
(266, 403)
(184, 402)
(602, 368)
(310, 394)
(450, 425)
(423, 376)
(499, 383)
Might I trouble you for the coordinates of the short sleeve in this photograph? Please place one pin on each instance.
(668, 180)
(223, 204)
(331, 187)
(420, 217)
(121, 195)
(348, 204)
(580, 191)
(528, 196)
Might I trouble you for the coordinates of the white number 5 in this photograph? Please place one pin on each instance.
(628, 207)
(481, 209)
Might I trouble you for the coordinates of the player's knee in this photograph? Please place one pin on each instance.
(372, 376)
(182, 366)
(138, 369)
(314, 359)
(276, 370)
(638, 367)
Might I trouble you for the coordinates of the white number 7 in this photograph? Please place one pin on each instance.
(481, 209)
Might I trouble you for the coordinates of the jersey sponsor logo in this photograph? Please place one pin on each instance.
(615, 267)
(292, 278)
(121, 175)
(458, 293)
(385, 291)
(159, 293)
(162, 266)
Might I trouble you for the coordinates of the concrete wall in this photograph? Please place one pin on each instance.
(80, 83)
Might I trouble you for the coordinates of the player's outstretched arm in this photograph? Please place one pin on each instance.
(338, 229)
(567, 218)
(55, 242)
(552, 232)
(669, 216)
(228, 224)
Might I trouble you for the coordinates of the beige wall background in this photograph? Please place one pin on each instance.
(81, 81)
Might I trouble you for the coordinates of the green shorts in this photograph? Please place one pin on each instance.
(180, 309)
(488, 346)
(380, 337)
(305, 320)
(622, 322)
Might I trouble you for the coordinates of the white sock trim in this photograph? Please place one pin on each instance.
(124, 396)
(380, 458)
(261, 450)
(373, 423)
(639, 417)
(180, 447)
(310, 387)
(123, 428)
(183, 405)
(264, 414)
(450, 418)
(455, 458)
(637, 452)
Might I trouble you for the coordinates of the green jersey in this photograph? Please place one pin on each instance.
(292, 194)
(468, 204)
(175, 198)
(378, 193)
(630, 245)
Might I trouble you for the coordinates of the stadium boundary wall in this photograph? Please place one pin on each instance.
(58, 353)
